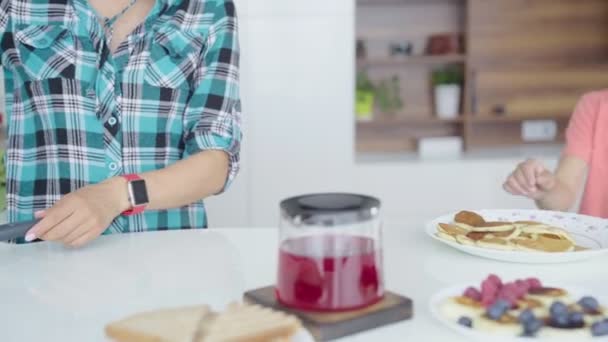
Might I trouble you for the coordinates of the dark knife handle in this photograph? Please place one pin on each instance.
(15, 230)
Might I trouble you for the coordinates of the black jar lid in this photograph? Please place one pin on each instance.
(329, 209)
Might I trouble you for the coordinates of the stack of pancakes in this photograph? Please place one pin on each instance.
(472, 229)
(538, 300)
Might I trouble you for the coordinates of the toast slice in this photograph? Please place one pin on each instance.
(249, 323)
(168, 325)
(239, 323)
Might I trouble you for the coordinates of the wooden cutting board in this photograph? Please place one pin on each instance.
(328, 326)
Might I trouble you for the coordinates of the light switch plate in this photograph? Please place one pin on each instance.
(538, 130)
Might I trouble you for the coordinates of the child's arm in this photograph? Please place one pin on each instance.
(558, 190)
(551, 190)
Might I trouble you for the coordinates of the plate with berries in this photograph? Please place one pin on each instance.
(521, 309)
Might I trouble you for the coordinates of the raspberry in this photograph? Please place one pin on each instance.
(472, 293)
(495, 279)
(534, 283)
(489, 287)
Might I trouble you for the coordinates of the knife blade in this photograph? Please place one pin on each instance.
(15, 230)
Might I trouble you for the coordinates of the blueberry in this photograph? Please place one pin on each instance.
(558, 308)
(600, 328)
(576, 319)
(526, 316)
(589, 303)
(465, 321)
(560, 320)
(498, 309)
(532, 326)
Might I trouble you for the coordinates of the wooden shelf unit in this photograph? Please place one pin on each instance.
(532, 60)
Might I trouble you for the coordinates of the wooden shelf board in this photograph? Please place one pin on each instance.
(412, 60)
(409, 121)
(375, 3)
(507, 119)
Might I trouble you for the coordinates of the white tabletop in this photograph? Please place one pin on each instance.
(49, 293)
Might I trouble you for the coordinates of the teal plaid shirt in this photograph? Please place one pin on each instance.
(78, 114)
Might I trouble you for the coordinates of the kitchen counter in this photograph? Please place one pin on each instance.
(50, 293)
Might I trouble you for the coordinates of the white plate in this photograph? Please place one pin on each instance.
(453, 291)
(303, 336)
(590, 232)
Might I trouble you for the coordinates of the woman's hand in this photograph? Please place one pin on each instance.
(81, 216)
(530, 179)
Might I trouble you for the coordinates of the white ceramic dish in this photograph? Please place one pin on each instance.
(453, 291)
(303, 336)
(590, 232)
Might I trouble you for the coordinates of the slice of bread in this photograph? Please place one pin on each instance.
(239, 323)
(169, 325)
(249, 323)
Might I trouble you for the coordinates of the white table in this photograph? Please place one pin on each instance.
(49, 293)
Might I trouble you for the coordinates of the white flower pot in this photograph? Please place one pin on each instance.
(447, 101)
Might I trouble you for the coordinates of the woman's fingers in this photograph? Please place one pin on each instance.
(52, 217)
(65, 227)
(77, 233)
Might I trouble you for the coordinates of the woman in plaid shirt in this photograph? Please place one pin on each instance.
(103, 93)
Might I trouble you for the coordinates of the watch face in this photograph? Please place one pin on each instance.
(139, 192)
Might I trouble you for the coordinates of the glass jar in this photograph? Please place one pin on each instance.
(330, 252)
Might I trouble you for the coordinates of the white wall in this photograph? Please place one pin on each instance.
(298, 90)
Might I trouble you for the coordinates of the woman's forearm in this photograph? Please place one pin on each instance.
(187, 181)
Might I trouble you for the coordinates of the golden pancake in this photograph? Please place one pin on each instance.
(469, 218)
(494, 227)
(451, 229)
(548, 232)
(445, 236)
(462, 239)
(544, 244)
(495, 243)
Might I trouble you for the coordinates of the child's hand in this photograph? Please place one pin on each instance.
(530, 179)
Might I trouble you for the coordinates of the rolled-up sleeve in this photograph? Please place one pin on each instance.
(213, 114)
(581, 128)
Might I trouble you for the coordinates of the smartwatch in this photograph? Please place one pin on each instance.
(138, 194)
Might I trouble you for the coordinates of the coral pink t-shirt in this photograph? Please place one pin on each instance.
(587, 139)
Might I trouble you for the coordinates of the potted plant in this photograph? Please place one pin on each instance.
(365, 97)
(447, 85)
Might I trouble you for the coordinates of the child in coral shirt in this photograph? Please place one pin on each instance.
(586, 153)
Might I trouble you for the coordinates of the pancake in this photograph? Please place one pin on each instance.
(544, 244)
(494, 227)
(548, 295)
(462, 239)
(495, 243)
(456, 307)
(451, 229)
(469, 218)
(445, 236)
(548, 232)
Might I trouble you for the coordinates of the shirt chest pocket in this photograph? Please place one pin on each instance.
(46, 51)
(173, 59)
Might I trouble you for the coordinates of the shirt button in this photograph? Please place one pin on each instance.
(112, 121)
(113, 166)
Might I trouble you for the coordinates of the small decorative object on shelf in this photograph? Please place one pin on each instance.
(445, 43)
(361, 49)
(389, 95)
(440, 148)
(447, 85)
(400, 49)
(365, 97)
